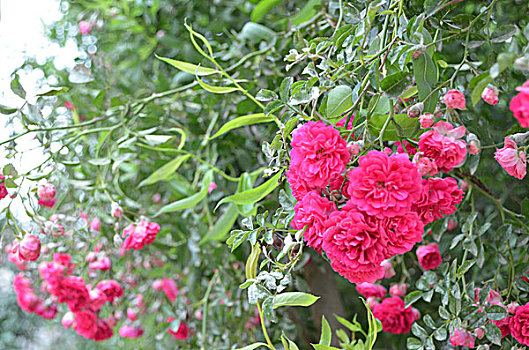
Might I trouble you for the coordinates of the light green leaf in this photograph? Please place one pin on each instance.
(223, 225)
(243, 121)
(188, 67)
(7, 110)
(17, 88)
(217, 89)
(294, 299)
(193, 35)
(262, 8)
(306, 13)
(253, 346)
(338, 101)
(323, 347)
(55, 91)
(255, 194)
(256, 32)
(189, 201)
(165, 171)
(480, 83)
(406, 126)
(326, 334)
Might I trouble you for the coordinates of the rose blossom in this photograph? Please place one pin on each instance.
(3, 189)
(72, 291)
(67, 319)
(429, 256)
(454, 99)
(384, 186)
(512, 160)
(406, 147)
(46, 311)
(312, 212)
(46, 195)
(52, 273)
(111, 288)
(182, 332)
(170, 289)
(12, 255)
(388, 269)
(103, 264)
(355, 245)
(95, 224)
(519, 324)
(140, 235)
(157, 284)
(65, 260)
(318, 154)
(490, 95)
(444, 145)
(130, 332)
(29, 248)
(438, 197)
(116, 210)
(97, 299)
(371, 290)
(426, 120)
(503, 325)
(519, 105)
(103, 331)
(402, 232)
(212, 186)
(85, 323)
(131, 314)
(394, 317)
(460, 337)
(425, 165)
(85, 27)
(398, 290)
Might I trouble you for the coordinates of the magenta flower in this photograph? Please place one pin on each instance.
(512, 160)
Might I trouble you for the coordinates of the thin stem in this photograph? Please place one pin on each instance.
(263, 326)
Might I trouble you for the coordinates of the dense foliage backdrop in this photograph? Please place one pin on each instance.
(211, 168)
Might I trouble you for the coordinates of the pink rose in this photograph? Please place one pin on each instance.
(429, 256)
(72, 291)
(103, 331)
(312, 212)
(130, 332)
(460, 337)
(46, 195)
(170, 289)
(438, 197)
(95, 224)
(384, 186)
(490, 95)
(85, 27)
(444, 145)
(426, 120)
(140, 235)
(512, 160)
(371, 290)
(518, 324)
(85, 323)
(52, 273)
(388, 269)
(102, 264)
(116, 210)
(454, 99)
(157, 284)
(65, 260)
(182, 332)
(98, 298)
(394, 317)
(212, 186)
(425, 165)
(111, 288)
(29, 248)
(131, 314)
(67, 319)
(503, 325)
(398, 290)
(519, 105)
(3, 189)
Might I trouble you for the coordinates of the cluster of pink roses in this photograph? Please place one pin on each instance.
(365, 215)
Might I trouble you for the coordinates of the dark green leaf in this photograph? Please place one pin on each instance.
(262, 8)
(17, 88)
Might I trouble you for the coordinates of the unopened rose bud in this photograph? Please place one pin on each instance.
(355, 147)
(398, 290)
(388, 269)
(118, 241)
(463, 185)
(156, 198)
(416, 110)
(419, 50)
(511, 308)
(425, 165)
(91, 257)
(426, 120)
(451, 224)
(67, 319)
(157, 284)
(117, 212)
(474, 145)
(480, 333)
(131, 314)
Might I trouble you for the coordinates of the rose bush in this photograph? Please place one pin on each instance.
(318, 140)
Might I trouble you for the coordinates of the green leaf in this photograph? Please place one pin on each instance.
(425, 73)
(188, 67)
(503, 61)
(418, 331)
(406, 126)
(9, 170)
(223, 225)
(17, 88)
(193, 35)
(353, 327)
(413, 343)
(55, 91)
(251, 262)
(7, 110)
(165, 171)
(522, 285)
(294, 299)
(525, 207)
(255, 194)
(245, 120)
(394, 84)
(339, 100)
(480, 83)
(253, 346)
(496, 313)
(189, 201)
(412, 297)
(503, 33)
(216, 89)
(326, 334)
(493, 333)
(306, 13)
(256, 32)
(323, 347)
(262, 8)
(409, 93)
